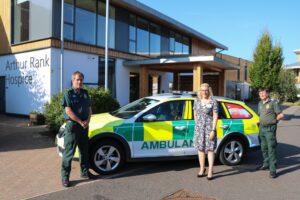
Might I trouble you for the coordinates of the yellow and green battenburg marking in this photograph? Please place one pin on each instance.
(165, 131)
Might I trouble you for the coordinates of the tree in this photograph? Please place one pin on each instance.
(267, 63)
(287, 89)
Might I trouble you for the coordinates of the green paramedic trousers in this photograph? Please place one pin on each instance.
(268, 143)
(75, 135)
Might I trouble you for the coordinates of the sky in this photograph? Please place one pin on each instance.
(238, 24)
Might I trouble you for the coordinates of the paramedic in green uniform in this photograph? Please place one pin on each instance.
(269, 115)
(77, 107)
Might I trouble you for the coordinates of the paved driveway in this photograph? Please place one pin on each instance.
(30, 167)
(28, 160)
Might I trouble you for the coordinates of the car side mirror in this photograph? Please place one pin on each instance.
(149, 118)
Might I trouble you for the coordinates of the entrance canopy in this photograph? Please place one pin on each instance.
(183, 64)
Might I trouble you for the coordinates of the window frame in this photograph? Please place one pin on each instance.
(140, 118)
(251, 115)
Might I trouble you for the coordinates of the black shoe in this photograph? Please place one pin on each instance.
(262, 167)
(273, 175)
(210, 178)
(201, 175)
(65, 182)
(88, 176)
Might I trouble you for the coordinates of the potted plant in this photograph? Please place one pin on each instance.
(36, 118)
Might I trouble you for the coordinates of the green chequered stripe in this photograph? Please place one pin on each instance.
(138, 132)
(191, 129)
(236, 125)
(124, 130)
(177, 134)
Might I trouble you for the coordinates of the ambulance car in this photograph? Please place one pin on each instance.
(162, 127)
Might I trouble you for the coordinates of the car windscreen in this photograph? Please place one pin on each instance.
(133, 108)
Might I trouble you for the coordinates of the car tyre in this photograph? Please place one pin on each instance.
(232, 152)
(106, 157)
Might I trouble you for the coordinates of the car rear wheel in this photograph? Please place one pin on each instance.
(232, 152)
(107, 157)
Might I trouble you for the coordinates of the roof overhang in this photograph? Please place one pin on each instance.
(208, 61)
(145, 10)
(293, 66)
(297, 51)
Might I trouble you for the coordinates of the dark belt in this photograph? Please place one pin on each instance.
(69, 120)
(267, 125)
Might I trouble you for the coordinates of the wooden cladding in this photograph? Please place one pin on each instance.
(233, 74)
(202, 48)
(5, 26)
(50, 42)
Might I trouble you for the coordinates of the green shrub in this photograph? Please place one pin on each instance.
(101, 100)
(54, 113)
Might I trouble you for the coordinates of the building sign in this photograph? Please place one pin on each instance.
(27, 80)
(24, 65)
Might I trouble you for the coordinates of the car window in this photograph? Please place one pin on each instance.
(221, 112)
(237, 111)
(168, 111)
(133, 108)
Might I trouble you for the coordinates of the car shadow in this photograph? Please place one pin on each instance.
(288, 117)
(288, 162)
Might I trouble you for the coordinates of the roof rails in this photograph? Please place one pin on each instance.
(184, 93)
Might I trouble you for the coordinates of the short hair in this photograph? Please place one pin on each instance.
(77, 73)
(263, 89)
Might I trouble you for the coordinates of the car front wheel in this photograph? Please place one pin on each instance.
(106, 157)
(232, 152)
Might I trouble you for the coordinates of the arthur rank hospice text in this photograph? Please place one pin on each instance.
(24, 67)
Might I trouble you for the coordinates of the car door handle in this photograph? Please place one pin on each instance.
(224, 126)
(180, 128)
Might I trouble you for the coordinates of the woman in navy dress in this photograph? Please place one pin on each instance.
(205, 138)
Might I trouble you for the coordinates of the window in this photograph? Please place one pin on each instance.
(154, 40)
(111, 75)
(221, 112)
(169, 111)
(134, 108)
(101, 25)
(178, 44)
(21, 21)
(185, 45)
(69, 19)
(172, 42)
(142, 37)
(31, 20)
(69, 11)
(237, 111)
(85, 22)
(246, 72)
(132, 33)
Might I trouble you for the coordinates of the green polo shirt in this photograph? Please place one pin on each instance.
(79, 102)
(268, 112)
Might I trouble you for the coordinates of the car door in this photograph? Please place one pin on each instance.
(241, 121)
(191, 126)
(165, 135)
